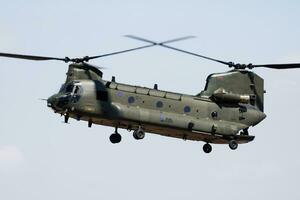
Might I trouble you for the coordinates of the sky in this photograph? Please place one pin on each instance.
(43, 158)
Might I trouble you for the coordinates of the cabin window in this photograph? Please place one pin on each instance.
(214, 114)
(159, 104)
(102, 95)
(187, 109)
(131, 99)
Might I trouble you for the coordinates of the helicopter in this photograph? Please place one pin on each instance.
(230, 103)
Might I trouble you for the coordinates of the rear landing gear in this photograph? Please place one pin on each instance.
(139, 134)
(115, 137)
(207, 148)
(245, 132)
(233, 145)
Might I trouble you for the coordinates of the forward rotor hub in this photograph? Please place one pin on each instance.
(240, 66)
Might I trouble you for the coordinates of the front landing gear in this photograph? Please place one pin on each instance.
(207, 148)
(115, 137)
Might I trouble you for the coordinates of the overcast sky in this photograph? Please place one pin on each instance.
(43, 158)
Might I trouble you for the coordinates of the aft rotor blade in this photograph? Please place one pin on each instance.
(198, 55)
(31, 57)
(230, 64)
(279, 66)
(119, 52)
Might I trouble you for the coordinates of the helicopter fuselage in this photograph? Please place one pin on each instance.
(166, 113)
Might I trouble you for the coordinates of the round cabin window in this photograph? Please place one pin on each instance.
(131, 99)
(214, 114)
(159, 104)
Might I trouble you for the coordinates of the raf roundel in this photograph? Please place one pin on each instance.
(187, 109)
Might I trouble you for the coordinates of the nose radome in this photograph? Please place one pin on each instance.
(51, 101)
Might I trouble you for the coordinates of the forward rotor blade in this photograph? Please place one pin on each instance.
(119, 52)
(31, 57)
(280, 66)
(198, 55)
(66, 59)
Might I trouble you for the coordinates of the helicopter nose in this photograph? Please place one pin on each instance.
(51, 101)
(58, 102)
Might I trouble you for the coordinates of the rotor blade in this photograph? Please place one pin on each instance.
(156, 43)
(280, 66)
(30, 57)
(119, 52)
(198, 55)
(177, 39)
(230, 64)
(141, 39)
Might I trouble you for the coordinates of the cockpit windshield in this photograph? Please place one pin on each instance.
(70, 88)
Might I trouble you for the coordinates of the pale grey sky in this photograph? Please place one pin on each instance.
(42, 158)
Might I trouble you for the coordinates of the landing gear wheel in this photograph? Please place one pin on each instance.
(207, 148)
(139, 134)
(115, 138)
(233, 145)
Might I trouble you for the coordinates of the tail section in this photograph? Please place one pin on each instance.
(236, 86)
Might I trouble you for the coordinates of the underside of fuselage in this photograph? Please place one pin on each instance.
(168, 131)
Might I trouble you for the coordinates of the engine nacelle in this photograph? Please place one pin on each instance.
(221, 95)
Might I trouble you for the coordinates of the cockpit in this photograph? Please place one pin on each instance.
(68, 93)
(73, 88)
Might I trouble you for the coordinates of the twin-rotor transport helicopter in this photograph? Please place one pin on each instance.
(222, 113)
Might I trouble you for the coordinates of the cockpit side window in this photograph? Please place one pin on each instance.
(69, 88)
(76, 90)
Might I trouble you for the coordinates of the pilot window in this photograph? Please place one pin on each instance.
(102, 95)
(69, 88)
(76, 90)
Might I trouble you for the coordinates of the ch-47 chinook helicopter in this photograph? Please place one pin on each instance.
(222, 113)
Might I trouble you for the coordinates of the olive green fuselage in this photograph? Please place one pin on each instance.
(230, 103)
(165, 113)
